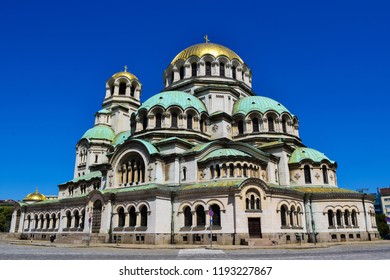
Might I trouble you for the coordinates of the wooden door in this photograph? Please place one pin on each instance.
(254, 228)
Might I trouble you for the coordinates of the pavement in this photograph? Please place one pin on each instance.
(296, 246)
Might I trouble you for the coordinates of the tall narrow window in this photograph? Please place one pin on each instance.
(283, 214)
(234, 72)
(255, 123)
(284, 126)
(181, 71)
(330, 218)
(184, 173)
(208, 68)
(144, 216)
(292, 211)
(132, 217)
(122, 88)
(187, 217)
(145, 122)
(231, 170)
(189, 121)
(132, 90)
(200, 216)
(212, 172)
(172, 76)
(240, 127)
(338, 217)
(112, 89)
(76, 219)
(218, 171)
(158, 120)
(194, 69)
(271, 126)
(346, 218)
(354, 218)
(307, 174)
(325, 174)
(68, 219)
(121, 217)
(174, 120)
(217, 215)
(222, 69)
(201, 124)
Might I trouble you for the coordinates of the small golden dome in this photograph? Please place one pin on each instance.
(35, 196)
(200, 50)
(124, 73)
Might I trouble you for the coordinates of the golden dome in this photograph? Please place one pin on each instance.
(200, 50)
(126, 74)
(36, 196)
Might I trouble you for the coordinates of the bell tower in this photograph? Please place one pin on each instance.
(123, 93)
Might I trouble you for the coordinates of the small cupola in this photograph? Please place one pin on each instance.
(123, 85)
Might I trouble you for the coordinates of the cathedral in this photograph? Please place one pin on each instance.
(205, 161)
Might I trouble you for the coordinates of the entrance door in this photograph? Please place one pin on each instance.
(96, 216)
(254, 228)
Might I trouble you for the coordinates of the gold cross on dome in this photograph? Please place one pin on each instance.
(125, 68)
(206, 38)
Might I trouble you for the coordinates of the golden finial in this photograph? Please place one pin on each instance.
(125, 68)
(206, 38)
(36, 190)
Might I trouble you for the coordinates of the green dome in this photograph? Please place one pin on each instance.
(100, 131)
(224, 153)
(257, 103)
(167, 99)
(121, 137)
(306, 153)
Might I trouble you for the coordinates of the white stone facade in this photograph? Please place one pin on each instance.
(155, 172)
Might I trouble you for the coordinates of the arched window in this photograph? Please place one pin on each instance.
(200, 216)
(212, 172)
(172, 76)
(222, 69)
(158, 120)
(271, 126)
(217, 215)
(252, 200)
(284, 126)
(338, 217)
(174, 120)
(28, 222)
(218, 171)
(184, 170)
(255, 123)
(76, 219)
(132, 217)
(325, 174)
(292, 212)
(201, 124)
(208, 68)
(82, 219)
(144, 216)
(234, 72)
(112, 88)
(346, 218)
(121, 217)
(330, 218)
(245, 170)
(240, 125)
(68, 219)
(354, 218)
(54, 219)
(194, 69)
(307, 174)
(181, 71)
(145, 122)
(231, 170)
(283, 215)
(132, 90)
(122, 88)
(189, 121)
(36, 221)
(187, 217)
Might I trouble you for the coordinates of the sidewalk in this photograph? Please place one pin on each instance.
(296, 246)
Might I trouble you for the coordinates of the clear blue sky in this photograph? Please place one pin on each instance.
(328, 63)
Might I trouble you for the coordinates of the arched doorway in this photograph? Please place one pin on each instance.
(97, 216)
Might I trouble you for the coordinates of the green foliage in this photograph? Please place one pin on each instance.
(5, 217)
(383, 228)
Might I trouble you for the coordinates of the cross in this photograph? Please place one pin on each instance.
(206, 38)
(125, 68)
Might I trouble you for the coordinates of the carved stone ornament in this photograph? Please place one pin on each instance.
(215, 128)
(297, 176)
(317, 176)
(228, 128)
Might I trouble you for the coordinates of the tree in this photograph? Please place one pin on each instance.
(5, 217)
(382, 225)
